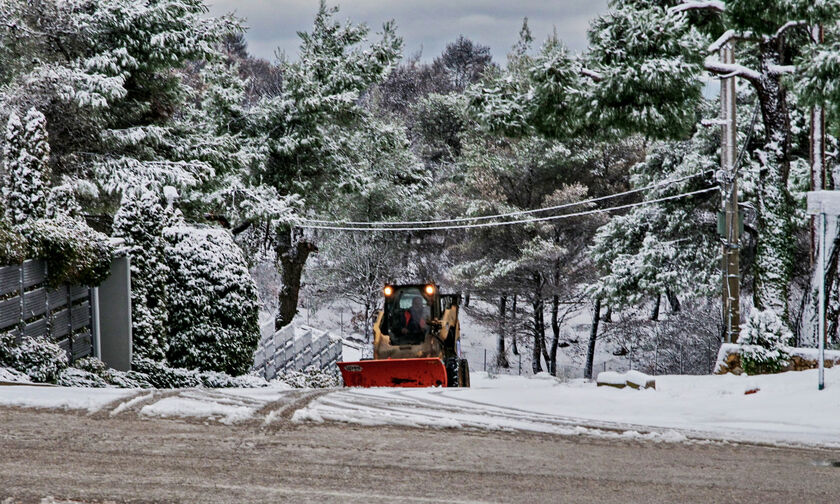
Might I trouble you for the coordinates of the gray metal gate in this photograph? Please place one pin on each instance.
(29, 307)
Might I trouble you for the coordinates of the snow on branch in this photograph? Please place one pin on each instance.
(731, 70)
(781, 69)
(714, 5)
(726, 37)
(592, 74)
(787, 26)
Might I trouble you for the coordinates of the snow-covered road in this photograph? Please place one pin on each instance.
(786, 408)
(781, 409)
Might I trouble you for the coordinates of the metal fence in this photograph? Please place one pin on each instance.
(30, 308)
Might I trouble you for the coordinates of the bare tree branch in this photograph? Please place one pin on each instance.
(781, 69)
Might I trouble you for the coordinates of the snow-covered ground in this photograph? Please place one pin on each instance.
(785, 408)
(66, 398)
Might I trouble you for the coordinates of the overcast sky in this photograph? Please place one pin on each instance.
(424, 24)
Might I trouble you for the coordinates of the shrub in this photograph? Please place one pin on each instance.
(40, 358)
(160, 375)
(130, 379)
(121, 379)
(8, 343)
(140, 222)
(74, 377)
(13, 246)
(764, 341)
(311, 378)
(74, 253)
(211, 300)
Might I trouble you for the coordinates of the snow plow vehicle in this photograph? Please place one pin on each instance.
(416, 342)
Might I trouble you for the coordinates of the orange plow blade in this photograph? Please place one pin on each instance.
(428, 372)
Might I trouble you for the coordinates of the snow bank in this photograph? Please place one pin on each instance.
(784, 408)
(634, 379)
(787, 408)
(66, 398)
(197, 408)
(13, 376)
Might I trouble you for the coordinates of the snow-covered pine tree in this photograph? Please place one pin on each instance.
(140, 221)
(308, 129)
(650, 57)
(764, 343)
(108, 75)
(667, 249)
(211, 300)
(26, 161)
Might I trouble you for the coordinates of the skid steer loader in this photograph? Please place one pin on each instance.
(416, 342)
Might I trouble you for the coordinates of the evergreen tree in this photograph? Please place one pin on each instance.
(764, 343)
(211, 300)
(26, 159)
(659, 82)
(140, 221)
(108, 75)
(311, 130)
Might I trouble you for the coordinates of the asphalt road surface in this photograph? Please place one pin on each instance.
(97, 458)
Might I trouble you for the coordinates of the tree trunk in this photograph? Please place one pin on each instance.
(673, 301)
(367, 322)
(543, 345)
(501, 353)
(514, 347)
(593, 336)
(292, 252)
(555, 340)
(808, 319)
(773, 265)
(467, 299)
(536, 365)
(654, 314)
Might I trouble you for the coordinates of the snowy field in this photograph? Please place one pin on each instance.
(781, 409)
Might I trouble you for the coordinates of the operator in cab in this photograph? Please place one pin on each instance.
(413, 320)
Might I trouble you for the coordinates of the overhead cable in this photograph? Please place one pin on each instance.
(337, 227)
(509, 214)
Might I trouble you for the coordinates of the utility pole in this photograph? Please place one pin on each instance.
(730, 266)
(818, 175)
(819, 182)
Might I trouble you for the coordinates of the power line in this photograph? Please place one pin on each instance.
(507, 223)
(510, 214)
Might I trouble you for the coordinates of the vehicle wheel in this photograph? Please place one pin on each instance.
(453, 373)
(464, 374)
